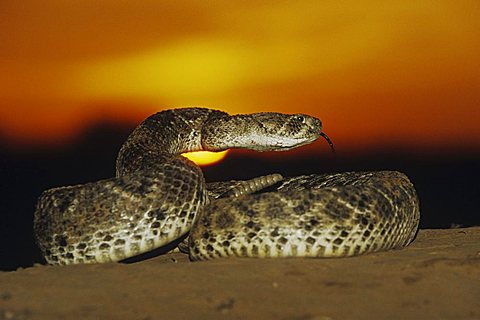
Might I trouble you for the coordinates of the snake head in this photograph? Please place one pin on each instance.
(278, 132)
(264, 131)
(295, 130)
(299, 130)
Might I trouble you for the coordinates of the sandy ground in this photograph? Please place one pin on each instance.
(437, 277)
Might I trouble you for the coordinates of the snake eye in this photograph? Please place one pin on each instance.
(300, 118)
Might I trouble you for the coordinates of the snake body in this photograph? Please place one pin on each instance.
(158, 196)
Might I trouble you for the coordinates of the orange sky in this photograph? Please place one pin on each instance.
(377, 73)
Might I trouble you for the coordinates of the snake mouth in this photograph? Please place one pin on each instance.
(294, 143)
(330, 143)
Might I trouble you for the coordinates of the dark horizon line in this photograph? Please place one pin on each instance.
(109, 130)
(461, 151)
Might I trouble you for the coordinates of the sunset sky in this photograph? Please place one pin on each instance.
(396, 73)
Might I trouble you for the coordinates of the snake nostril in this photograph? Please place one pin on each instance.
(315, 125)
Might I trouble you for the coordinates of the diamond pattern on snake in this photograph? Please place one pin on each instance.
(158, 197)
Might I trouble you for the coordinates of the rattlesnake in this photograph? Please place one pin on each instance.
(158, 196)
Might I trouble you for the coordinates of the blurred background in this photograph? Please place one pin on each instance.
(397, 85)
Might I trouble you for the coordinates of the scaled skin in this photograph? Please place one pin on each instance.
(157, 194)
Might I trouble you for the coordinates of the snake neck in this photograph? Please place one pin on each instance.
(162, 137)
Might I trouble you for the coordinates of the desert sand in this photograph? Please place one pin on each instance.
(436, 277)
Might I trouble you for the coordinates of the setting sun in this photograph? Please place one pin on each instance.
(204, 158)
